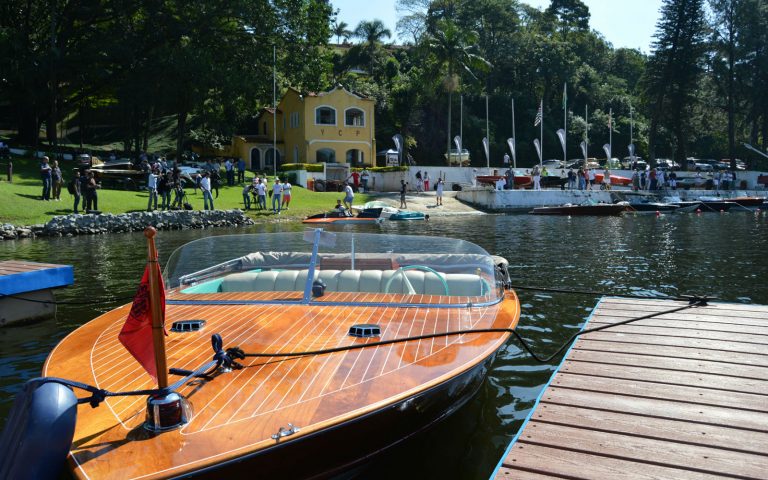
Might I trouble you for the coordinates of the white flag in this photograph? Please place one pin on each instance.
(607, 150)
(511, 144)
(561, 136)
(398, 139)
(583, 146)
(457, 141)
(486, 148)
(538, 147)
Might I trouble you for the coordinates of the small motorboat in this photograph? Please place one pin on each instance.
(715, 204)
(615, 180)
(328, 349)
(684, 206)
(408, 215)
(391, 213)
(521, 179)
(596, 209)
(651, 208)
(364, 217)
(750, 202)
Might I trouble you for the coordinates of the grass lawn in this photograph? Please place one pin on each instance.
(20, 202)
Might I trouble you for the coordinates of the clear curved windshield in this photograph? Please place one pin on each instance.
(346, 268)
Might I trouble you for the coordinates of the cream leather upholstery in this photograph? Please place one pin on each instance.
(366, 281)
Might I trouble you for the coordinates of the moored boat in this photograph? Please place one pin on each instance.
(652, 208)
(715, 204)
(363, 217)
(597, 209)
(392, 213)
(744, 201)
(348, 344)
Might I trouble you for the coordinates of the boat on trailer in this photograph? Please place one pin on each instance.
(347, 344)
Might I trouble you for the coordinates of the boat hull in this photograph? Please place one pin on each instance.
(582, 210)
(343, 447)
(342, 221)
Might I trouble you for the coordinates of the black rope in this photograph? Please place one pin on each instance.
(61, 302)
(236, 351)
(599, 294)
(221, 358)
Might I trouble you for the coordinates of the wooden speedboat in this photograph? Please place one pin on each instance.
(315, 407)
(598, 209)
(651, 208)
(366, 216)
(751, 202)
(715, 204)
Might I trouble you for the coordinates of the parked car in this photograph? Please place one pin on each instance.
(552, 164)
(592, 163)
(740, 165)
(716, 164)
(630, 164)
(696, 165)
(667, 164)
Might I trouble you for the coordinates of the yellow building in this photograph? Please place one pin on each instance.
(334, 126)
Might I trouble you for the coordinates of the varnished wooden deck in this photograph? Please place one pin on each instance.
(683, 395)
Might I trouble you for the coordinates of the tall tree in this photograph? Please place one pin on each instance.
(570, 14)
(673, 72)
(340, 31)
(372, 33)
(454, 51)
(724, 33)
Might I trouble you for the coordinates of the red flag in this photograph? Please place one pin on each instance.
(136, 335)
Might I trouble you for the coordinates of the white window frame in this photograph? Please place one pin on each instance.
(335, 115)
(345, 117)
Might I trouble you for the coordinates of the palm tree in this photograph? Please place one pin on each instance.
(372, 33)
(453, 49)
(340, 30)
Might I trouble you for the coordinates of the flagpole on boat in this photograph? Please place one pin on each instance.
(156, 309)
(565, 124)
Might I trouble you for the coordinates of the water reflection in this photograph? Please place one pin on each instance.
(721, 255)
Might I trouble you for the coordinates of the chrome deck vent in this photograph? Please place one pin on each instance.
(365, 331)
(186, 326)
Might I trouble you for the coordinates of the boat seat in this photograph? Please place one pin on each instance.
(353, 281)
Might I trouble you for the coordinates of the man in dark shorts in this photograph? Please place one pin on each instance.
(403, 186)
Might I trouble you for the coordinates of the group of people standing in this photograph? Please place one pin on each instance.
(653, 179)
(280, 192)
(164, 185)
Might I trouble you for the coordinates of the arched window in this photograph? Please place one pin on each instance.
(269, 158)
(354, 117)
(325, 155)
(255, 159)
(355, 157)
(325, 116)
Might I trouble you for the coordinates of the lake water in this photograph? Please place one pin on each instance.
(723, 255)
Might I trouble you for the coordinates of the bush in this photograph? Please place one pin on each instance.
(383, 169)
(310, 167)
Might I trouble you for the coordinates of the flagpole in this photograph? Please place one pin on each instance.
(156, 310)
(274, 105)
(488, 136)
(610, 135)
(541, 135)
(565, 123)
(461, 129)
(514, 157)
(586, 135)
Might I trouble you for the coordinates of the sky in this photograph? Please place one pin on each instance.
(624, 23)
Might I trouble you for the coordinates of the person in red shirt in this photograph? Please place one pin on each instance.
(355, 180)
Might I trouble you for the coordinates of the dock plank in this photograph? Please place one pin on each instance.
(628, 446)
(682, 395)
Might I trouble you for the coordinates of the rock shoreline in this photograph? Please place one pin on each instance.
(95, 224)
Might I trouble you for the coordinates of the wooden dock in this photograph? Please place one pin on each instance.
(26, 289)
(682, 395)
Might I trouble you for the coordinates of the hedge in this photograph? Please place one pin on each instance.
(310, 167)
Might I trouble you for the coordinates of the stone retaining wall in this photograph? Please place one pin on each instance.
(76, 224)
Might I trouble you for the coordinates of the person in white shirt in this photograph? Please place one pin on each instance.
(230, 169)
(261, 190)
(277, 195)
(349, 196)
(152, 189)
(660, 179)
(536, 174)
(205, 186)
(286, 195)
(591, 178)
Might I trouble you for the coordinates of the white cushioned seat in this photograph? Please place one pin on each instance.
(367, 281)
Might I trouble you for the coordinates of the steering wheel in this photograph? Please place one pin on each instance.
(411, 291)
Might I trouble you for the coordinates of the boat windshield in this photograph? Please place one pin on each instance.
(317, 266)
